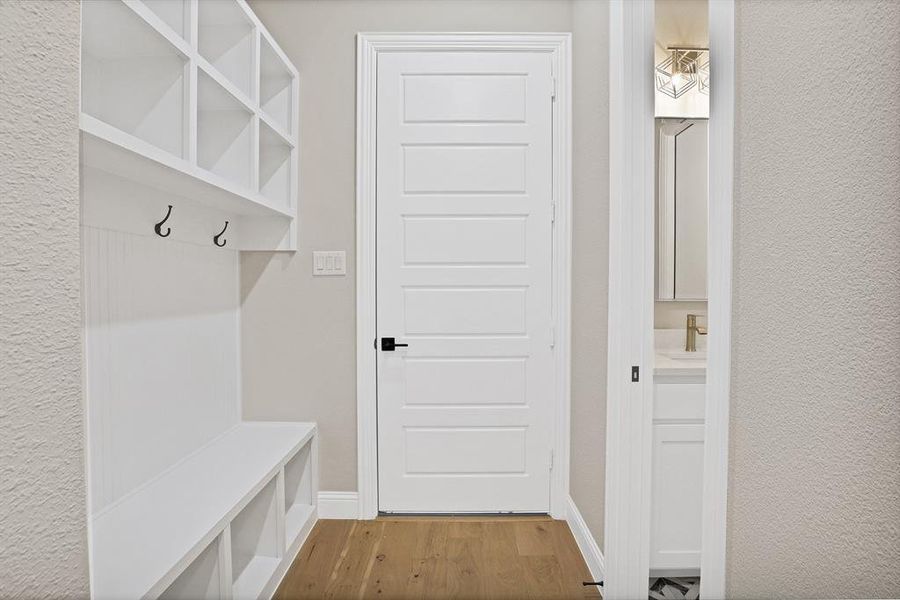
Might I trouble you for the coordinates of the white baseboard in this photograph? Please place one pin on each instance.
(590, 550)
(338, 505)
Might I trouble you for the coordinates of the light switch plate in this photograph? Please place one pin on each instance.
(329, 262)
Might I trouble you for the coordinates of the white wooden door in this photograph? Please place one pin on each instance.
(464, 208)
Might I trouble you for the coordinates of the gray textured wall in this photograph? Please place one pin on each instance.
(814, 490)
(284, 307)
(43, 511)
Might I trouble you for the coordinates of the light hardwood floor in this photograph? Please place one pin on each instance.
(416, 557)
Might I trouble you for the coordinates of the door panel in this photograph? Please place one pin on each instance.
(465, 311)
(470, 381)
(469, 98)
(464, 169)
(463, 276)
(489, 240)
(465, 450)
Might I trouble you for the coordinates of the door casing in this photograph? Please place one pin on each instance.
(630, 331)
(558, 48)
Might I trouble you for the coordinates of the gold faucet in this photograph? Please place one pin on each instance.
(690, 337)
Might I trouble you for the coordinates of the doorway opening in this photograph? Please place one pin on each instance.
(661, 263)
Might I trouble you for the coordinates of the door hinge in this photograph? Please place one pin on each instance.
(552, 337)
(553, 212)
(551, 459)
(553, 88)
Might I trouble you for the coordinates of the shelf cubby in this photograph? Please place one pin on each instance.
(229, 491)
(298, 493)
(227, 40)
(274, 166)
(275, 87)
(255, 550)
(132, 77)
(200, 580)
(174, 13)
(224, 133)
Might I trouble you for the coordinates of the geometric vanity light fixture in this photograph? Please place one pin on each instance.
(703, 76)
(682, 71)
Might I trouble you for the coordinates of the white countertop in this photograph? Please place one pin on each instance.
(671, 360)
(666, 365)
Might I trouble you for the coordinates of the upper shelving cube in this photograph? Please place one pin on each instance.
(132, 77)
(275, 87)
(224, 133)
(174, 13)
(275, 159)
(227, 40)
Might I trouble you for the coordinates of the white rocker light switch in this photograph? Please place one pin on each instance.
(331, 262)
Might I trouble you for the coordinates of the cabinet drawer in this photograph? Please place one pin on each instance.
(679, 401)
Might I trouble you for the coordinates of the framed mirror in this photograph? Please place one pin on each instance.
(682, 197)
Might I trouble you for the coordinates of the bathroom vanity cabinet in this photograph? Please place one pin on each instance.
(677, 473)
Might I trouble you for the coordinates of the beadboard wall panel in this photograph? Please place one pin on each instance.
(162, 352)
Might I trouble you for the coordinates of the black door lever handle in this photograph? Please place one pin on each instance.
(388, 344)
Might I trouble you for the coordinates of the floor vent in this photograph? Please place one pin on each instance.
(674, 588)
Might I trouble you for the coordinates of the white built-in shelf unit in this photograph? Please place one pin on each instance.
(194, 101)
(188, 129)
(224, 522)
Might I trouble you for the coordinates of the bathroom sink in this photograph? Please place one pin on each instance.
(682, 355)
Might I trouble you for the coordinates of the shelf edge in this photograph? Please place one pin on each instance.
(100, 130)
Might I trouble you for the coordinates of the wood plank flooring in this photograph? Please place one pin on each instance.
(416, 557)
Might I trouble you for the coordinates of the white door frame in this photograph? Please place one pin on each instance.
(369, 45)
(631, 292)
(629, 404)
(719, 269)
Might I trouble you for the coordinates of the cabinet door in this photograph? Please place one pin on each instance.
(677, 496)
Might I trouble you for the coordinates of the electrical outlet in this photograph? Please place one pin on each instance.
(329, 262)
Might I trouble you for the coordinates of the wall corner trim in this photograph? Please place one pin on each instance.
(588, 546)
(338, 505)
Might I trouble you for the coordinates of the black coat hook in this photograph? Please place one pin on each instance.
(216, 238)
(158, 227)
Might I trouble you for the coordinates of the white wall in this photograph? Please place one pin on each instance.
(590, 259)
(814, 487)
(162, 355)
(673, 314)
(43, 512)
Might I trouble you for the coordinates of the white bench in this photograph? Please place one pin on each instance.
(225, 522)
